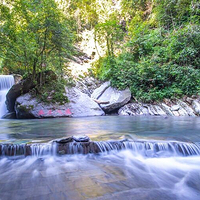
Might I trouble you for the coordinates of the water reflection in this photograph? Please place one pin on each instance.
(102, 128)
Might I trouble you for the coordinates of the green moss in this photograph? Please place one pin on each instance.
(25, 108)
(51, 92)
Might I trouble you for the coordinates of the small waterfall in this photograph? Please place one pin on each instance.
(43, 149)
(152, 148)
(144, 148)
(28, 149)
(6, 82)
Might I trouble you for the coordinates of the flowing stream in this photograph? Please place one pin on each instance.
(138, 158)
(6, 82)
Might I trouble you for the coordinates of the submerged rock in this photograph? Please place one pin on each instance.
(81, 138)
(78, 138)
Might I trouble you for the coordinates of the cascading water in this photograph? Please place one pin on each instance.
(6, 82)
(144, 148)
(136, 158)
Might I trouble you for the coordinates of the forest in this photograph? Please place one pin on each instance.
(150, 46)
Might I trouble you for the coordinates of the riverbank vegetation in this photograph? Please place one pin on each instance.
(161, 55)
(152, 47)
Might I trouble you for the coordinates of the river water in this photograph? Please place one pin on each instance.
(124, 174)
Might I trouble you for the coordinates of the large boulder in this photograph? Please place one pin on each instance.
(17, 90)
(79, 105)
(100, 90)
(25, 86)
(110, 98)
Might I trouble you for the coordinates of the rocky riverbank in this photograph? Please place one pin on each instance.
(87, 101)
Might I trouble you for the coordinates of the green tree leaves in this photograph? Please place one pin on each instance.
(35, 36)
(162, 55)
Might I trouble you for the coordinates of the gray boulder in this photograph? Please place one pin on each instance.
(166, 109)
(187, 110)
(110, 98)
(196, 107)
(156, 110)
(100, 90)
(113, 99)
(80, 105)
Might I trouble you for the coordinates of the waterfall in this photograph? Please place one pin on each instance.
(144, 148)
(6, 82)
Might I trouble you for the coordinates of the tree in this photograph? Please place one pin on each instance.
(34, 36)
(109, 32)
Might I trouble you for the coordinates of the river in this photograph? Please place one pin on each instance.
(117, 174)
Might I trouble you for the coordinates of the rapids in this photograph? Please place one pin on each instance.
(142, 158)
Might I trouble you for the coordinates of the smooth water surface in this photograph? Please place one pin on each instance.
(102, 128)
(119, 175)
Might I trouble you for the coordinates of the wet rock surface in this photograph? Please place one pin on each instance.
(10, 115)
(83, 145)
(98, 178)
(78, 138)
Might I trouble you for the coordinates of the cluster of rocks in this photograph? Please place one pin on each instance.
(92, 102)
(103, 100)
(189, 107)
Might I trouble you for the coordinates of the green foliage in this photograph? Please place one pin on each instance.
(34, 36)
(52, 92)
(109, 32)
(162, 54)
(160, 59)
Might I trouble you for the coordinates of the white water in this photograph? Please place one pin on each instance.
(117, 175)
(6, 82)
(161, 163)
